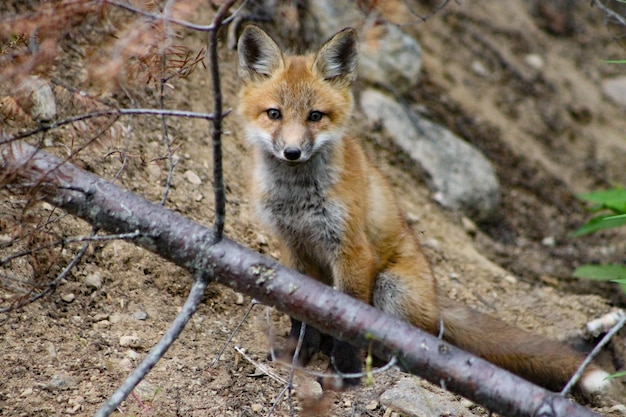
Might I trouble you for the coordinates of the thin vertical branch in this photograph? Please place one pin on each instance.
(166, 136)
(216, 134)
(200, 281)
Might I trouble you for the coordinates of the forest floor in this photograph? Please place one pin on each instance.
(514, 79)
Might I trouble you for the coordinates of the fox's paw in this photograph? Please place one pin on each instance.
(332, 381)
(287, 352)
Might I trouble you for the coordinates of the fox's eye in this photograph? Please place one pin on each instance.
(315, 116)
(274, 114)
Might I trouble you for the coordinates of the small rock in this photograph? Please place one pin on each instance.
(115, 318)
(468, 404)
(239, 300)
(132, 354)
(199, 197)
(619, 408)
(549, 241)
(26, 392)
(510, 279)
(126, 364)
(479, 68)
(93, 281)
(76, 400)
(52, 352)
(192, 177)
(68, 298)
(61, 382)
(154, 171)
(257, 408)
(102, 324)
(130, 341)
(100, 316)
(407, 398)
(140, 315)
(35, 96)
(47, 206)
(412, 218)
(469, 226)
(261, 239)
(432, 243)
(534, 61)
(146, 390)
(373, 405)
(312, 388)
(615, 89)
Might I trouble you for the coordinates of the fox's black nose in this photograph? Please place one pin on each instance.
(292, 154)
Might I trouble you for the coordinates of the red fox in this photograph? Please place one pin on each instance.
(337, 219)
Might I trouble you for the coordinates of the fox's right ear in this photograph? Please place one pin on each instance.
(259, 54)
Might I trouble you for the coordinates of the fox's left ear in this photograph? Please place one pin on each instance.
(259, 54)
(336, 60)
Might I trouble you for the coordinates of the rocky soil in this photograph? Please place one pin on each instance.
(522, 82)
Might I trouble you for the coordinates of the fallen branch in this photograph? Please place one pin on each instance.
(188, 244)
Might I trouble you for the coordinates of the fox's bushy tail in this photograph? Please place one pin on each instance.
(535, 358)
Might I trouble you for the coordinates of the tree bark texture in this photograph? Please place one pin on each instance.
(190, 245)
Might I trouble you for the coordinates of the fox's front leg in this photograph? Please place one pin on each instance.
(313, 340)
(354, 273)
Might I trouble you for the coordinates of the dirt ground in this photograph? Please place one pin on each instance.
(519, 80)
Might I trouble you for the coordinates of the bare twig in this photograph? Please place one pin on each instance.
(189, 308)
(610, 13)
(51, 286)
(112, 112)
(234, 332)
(183, 23)
(68, 240)
(166, 138)
(294, 364)
(607, 337)
(163, 81)
(259, 366)
(427, 16)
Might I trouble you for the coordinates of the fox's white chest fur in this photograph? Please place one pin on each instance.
(297, 204)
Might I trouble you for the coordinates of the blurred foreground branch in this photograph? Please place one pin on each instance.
(190, 245)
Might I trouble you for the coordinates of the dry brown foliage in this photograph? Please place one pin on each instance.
(65, 67)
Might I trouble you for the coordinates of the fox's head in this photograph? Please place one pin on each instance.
(294, 106)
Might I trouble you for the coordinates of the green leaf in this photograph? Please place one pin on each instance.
(615, 61)
(601, 272)
(613, 199)
(617, 375)
(600, 223)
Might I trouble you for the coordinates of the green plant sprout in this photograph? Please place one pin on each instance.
(610, 206)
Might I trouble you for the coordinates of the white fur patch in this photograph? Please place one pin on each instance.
(259, 137)
(327, 137)
(595, 381)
